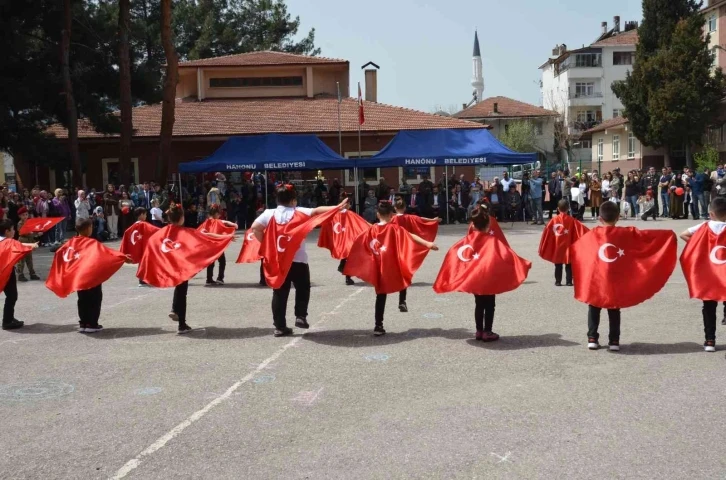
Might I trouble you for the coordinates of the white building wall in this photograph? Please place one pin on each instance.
(613, 73)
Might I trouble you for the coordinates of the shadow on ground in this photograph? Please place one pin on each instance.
(46, 328)
(522, 342)
(218, 333)
(365, 338)
(660, 348)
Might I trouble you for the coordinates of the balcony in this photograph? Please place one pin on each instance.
(591, 99)
(574, 95)
(579, 127)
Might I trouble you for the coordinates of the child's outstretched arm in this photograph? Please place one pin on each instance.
(421, 241)
(686, 236)
(221, 237)
(321, 210)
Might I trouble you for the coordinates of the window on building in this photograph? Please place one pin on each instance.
(370, 175)
(712, 22)
(600, 149)
(588, 60)
(585, 144)
(623, 58)
(616, 147)
(714, 57)
(587, 116)
(243, 82)
(631, 145)
(616, 112)
(415, 173)
(538, 130)
(584, 89)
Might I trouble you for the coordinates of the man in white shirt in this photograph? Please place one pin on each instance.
(507, 183)
(299, 274)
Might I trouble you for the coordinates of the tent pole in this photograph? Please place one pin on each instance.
(446, 190)
(355, 179)
(266, 188)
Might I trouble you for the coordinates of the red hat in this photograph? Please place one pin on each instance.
(22, 210)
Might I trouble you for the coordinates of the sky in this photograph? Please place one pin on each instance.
(424, 47)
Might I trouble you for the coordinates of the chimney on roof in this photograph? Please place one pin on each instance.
(496, 107)
(604, 28)
(563, 49)
(616, 24)
(371, 80)
(463, 106)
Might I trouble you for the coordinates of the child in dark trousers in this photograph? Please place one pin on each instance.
(609, 216)
(563, 207)
(717, 213)
(7, 234)
(484, 305)
(215, 214)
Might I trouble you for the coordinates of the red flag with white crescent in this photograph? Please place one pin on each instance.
(213, 225)
(135, 239)
(557, 237)
(80, 264)
(250, 251)
(338, 234)
(423, 227)
(620, 267)
(175, 254)
(704, 265)
(11, 252)
(494, 230)
(39, 225)
(481, 264)
(386, 257)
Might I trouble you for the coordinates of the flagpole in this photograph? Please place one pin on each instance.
(360, 150)
(340, 133)
(446, 189)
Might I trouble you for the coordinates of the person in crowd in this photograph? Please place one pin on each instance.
(145, 196)
(675, 188)
(415, 203)
(157, 216)
(554, 189)
(383, 190)
(647, 206)
(507, 185)
(595, 195)
(707, 188)
(100, 226)
(577, 200)
(126, 210)
(696, 181)
(632, 192)
(663, 184)
(650, 181)
(459, 203)
(426, 188)
(83, 206)
(28, 203)
(495, 198)
(391, 195)
(476, 192)
(111, 210)
(688, 204)
(535, 198)
(334, 192)
(369, 207)
(27, 260)
(405, 190)
(437, 203)
(60, 208)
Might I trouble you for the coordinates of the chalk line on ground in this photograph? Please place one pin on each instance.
(174, 432)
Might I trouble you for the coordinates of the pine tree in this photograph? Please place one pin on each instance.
(673, 93)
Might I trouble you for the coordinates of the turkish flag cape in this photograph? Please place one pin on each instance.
(704, 264)
(135, 239)
(39, 225)
(11, 252)
(250, 251)
(386, 257)
(557, 237)
(281, 242)
(175, 254)
(80, 264)
(494, 230)
(212, 225)
(616, 267)
(424, 228)
(481, 264)
(340, 232)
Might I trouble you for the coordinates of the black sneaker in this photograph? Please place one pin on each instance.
(301, 322)
(220, 281)
(569, 284)
(402, 307)
(379, 330)
(21, 278)
(92, 328)
(283, 332)
(13, 325)
(349, 281)
(558, 284)
(183, 328)
(82, 328)
(34, 277)
(174, 316)
(211, 283)
(263, 283)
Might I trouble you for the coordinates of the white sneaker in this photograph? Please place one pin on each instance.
(593, 345)
(174, 316)
(709, 346)
(614, 348)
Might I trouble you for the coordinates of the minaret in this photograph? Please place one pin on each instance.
(477, 80)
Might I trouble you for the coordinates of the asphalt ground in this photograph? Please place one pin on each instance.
(230, 401)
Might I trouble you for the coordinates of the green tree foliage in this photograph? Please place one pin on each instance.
(673, 92)
(707, 158)
(519, 136)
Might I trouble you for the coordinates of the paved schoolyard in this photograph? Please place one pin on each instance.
(425, 401)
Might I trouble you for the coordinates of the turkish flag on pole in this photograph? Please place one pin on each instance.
(386, 257)
(39, 225)
(135, 239)
(80, 264)
(494, 230)
(361, 115)
(424, 228)
(250, 251)
(338, 234)
(704, 265)
(557, 237)
(212, 225)
(175, 254)
(481, 264)
(11, 252)
(616, 267)
(281, 242)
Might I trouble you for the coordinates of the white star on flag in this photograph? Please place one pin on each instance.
(621, 252)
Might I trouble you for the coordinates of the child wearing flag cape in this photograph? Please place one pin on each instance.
(29, 238)
(603, 264)
(386, 256)
(482, 265)
(136, 236)
(425, 228)
(213, 224)
(11, 251)
(703, 263)
(557, 237)
(339, 233)
(281, 232)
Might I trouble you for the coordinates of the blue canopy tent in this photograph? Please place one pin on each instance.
(457, 147)
(269, 152)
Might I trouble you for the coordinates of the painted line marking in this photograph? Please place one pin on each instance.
(134, 463)
(503, 459)
(307, 398)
